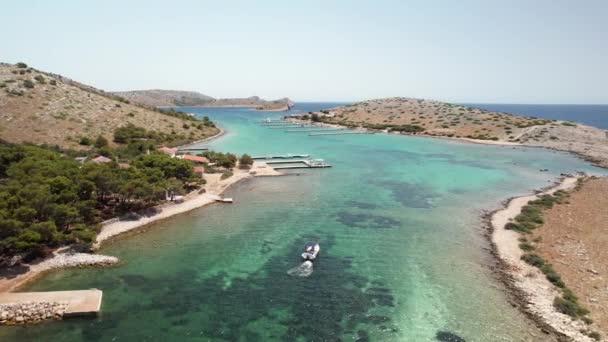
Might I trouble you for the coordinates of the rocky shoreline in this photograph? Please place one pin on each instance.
(528, 288)
(31, 312)
(60, 259)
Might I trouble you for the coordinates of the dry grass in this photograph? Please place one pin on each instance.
(451, 120)
(60, 111)
(574, 239)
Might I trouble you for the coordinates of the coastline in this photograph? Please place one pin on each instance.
(215, 188)
(603, 163)
(217, 135)
(256, 107)
(534, 293)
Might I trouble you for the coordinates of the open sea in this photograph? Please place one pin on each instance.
(593, 115)
(403, 253)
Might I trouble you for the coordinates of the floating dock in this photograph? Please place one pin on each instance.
(341, 133)
(80, 302)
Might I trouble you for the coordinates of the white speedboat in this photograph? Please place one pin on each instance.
(311, 250)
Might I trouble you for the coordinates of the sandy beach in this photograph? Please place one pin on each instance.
(536, 289)
(214, 188)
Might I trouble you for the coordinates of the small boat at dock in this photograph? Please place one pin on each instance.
(311, 250)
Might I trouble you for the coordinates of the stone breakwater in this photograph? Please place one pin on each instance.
(79, 259)
(31, 312)
(59, 260)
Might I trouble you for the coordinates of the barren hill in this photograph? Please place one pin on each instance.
(451, 120)
(41, 107)
(159, 97)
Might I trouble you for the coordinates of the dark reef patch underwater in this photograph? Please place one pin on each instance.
(327, 306)
(446, 336)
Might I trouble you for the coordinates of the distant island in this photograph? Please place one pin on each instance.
(166, 98)
(440, 119)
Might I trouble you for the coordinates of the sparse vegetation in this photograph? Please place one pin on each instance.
(28, 84)
(225, 160)
(85, 141)
(245, 161)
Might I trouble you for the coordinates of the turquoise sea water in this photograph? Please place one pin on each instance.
(403, 253)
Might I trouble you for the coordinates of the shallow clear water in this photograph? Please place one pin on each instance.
(403, 254)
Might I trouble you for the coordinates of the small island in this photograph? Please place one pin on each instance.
(168, 98)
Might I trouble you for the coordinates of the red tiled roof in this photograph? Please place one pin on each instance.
(124, 165)
(167, 150)
(195, 158)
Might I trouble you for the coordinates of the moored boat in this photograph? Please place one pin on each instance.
(311, 250)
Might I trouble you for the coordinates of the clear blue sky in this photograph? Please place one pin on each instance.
(518, 51)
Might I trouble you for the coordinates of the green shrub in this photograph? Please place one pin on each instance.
(40, 79)
(226, 175)
(21, 65)
(245, 161)
(28, 84)
(101, 142)
(533, 259)
(128, 133)
(85, 141)
(525, 246)
(226, 160)
(565, 306)
(53, 82)
(595, 335)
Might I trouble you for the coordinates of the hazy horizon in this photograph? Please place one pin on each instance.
(520, 52)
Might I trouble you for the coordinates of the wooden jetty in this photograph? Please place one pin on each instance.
(80, 302)
(281, 156)
(341, 133)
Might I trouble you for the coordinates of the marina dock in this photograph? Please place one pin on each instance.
(289, 126)
(341, 133)
(80, 302)
(298, 164)
(192, 149)
(314, 130)
(280, 156)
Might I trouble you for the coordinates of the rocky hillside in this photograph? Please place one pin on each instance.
(451, 120)
(253, 102)
(41, 107)
(159, 98)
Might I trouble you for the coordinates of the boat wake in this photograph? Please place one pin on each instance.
(304, 270)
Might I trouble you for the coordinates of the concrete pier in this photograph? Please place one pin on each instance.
(80, 302)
